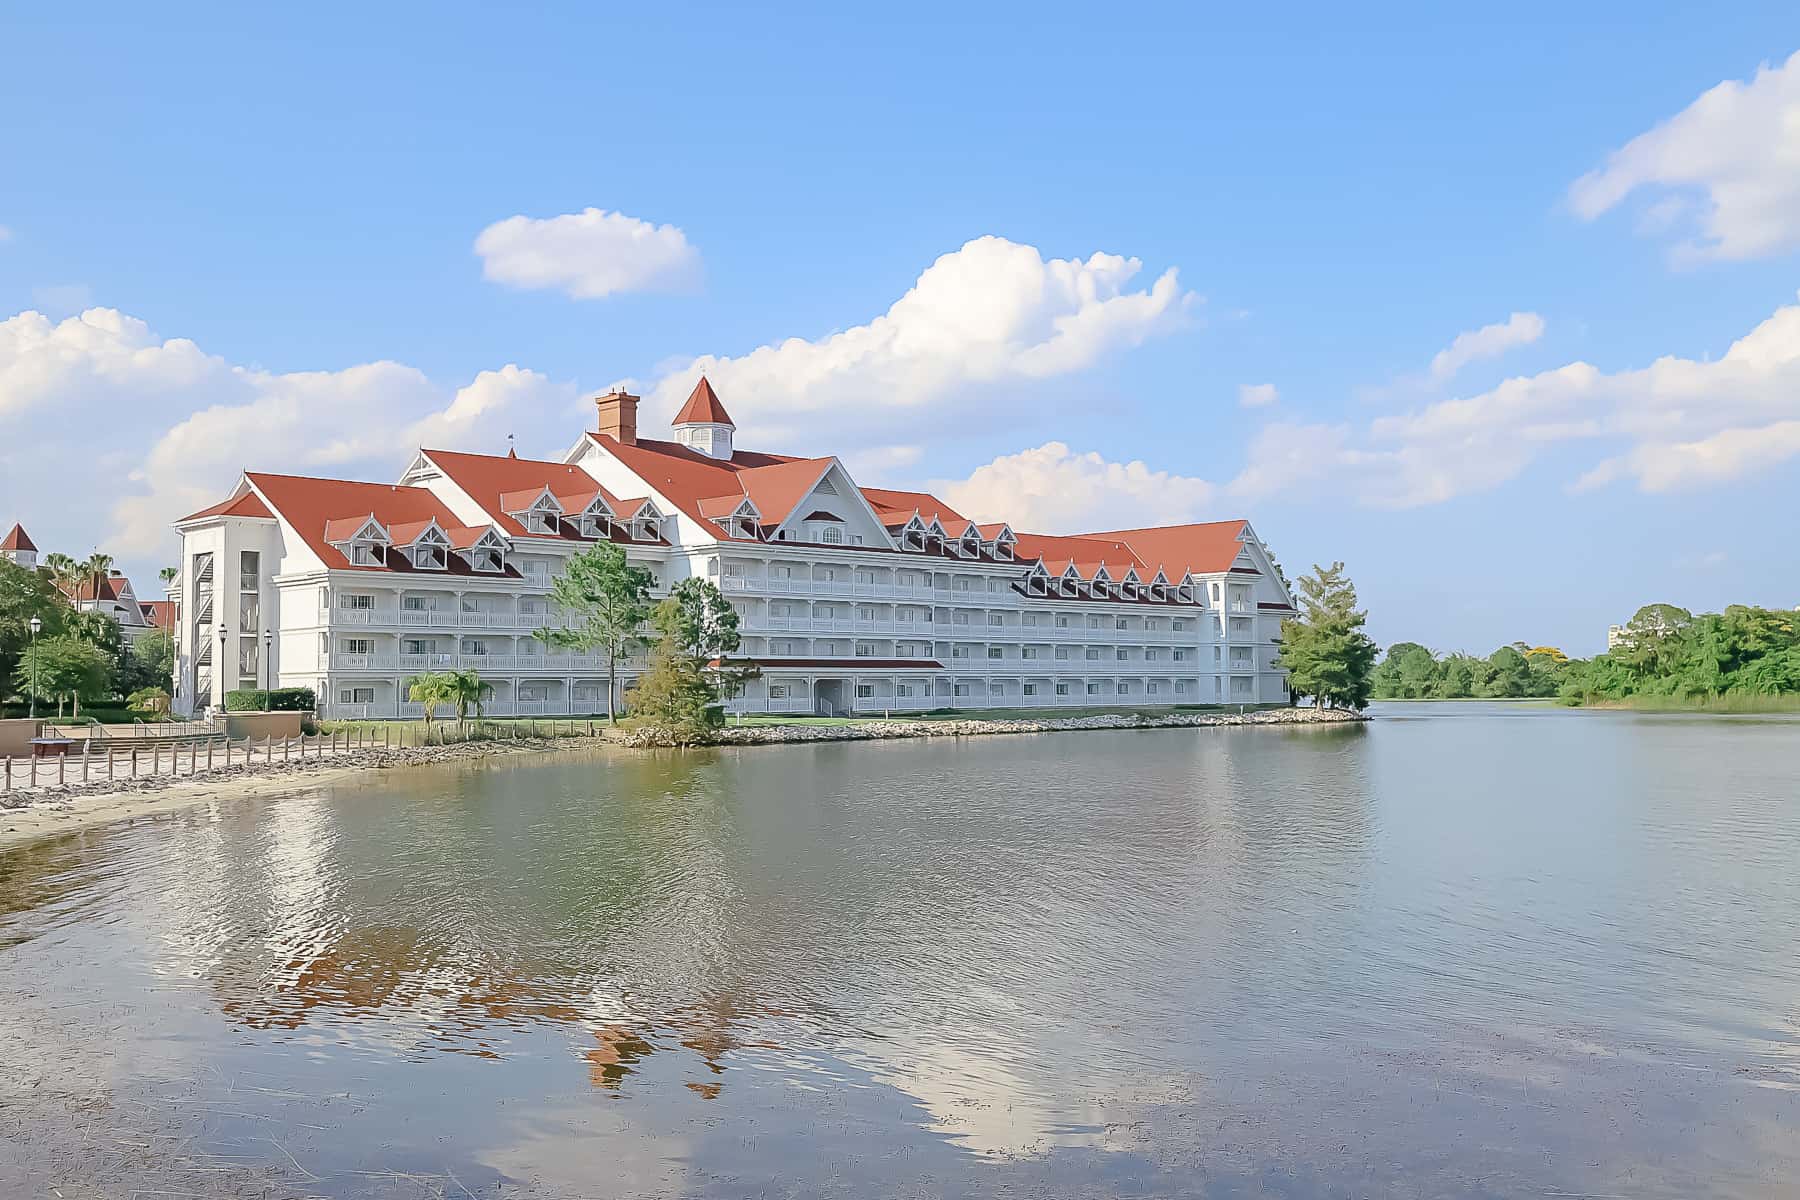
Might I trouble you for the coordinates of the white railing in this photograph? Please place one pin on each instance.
(340, 661)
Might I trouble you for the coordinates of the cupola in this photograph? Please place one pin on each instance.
(703, 424)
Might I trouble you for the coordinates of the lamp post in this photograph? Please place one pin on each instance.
(219, 672)
(268, 658)
(36, 626)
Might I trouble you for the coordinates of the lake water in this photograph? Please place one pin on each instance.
(1468, 950)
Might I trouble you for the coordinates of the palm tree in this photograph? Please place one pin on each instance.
(465, 690)
(167, 575)
(64, 572)
(430, 691)
(94, 570)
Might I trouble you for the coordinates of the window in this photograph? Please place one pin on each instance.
(359, 646)
(904, 651)
(365, 554)
(247, 660)
(865, 691)
(865, 613)
(364, 695)
(428, 558)
(413, 603)
(1031, 689)
(1180, 687)
(1062, 620)
(865, 577)
(1093, 689)
(1121, 654)
(903, 689)
(1180, 625)
(1062, 689)
(1062, 654)
(996, 619)
(1152, 689)
(778, 691)
(1029, 652)
(831, 535)
(1093, 622)
(1124, 689)
(1092, 654)
(356, 600)
(416, 646)
(1179, 655)
(248, 610)
(531, 693)
(962, 689)
(1152, 655)
(865, 649)
(996, 652)
(249, 570)
(856, 539)
(959, 652)
(1119, 623)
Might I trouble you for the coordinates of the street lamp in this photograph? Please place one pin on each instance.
(219, 672)
(36, 627)
(268, 658)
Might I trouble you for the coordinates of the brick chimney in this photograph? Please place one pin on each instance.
(618, 415)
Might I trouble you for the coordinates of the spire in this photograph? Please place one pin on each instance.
(703, 407)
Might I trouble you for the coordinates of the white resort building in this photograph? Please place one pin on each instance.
(853, 599)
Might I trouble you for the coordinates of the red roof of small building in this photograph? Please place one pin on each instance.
(160, 613)
(18, 539)
(900, 506)
(703, 407)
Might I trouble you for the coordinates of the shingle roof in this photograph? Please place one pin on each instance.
(311, 505)
(687, 476)
(703, 407)
(246, 505)
(503, 486)
(1203, 548)
(18, 539)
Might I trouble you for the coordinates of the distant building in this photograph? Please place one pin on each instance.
(19, 548)
(1615, 637)
(114, 596)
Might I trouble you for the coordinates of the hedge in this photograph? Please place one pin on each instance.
(270, 700)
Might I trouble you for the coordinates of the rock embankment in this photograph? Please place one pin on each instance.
(759, 735)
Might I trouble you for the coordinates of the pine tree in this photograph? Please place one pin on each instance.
(1325, 652)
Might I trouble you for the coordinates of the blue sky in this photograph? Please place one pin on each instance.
(276, 214)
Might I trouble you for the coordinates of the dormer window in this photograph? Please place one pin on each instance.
(488, 560)
(365, 554)
(540, 521)
(829, 535)
(428, 557)
(593, 525)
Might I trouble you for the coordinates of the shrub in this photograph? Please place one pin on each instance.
(269, 700)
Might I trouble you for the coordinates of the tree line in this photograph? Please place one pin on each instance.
(1663, 652)
(77, 657)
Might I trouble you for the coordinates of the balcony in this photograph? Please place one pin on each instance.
(484, 663)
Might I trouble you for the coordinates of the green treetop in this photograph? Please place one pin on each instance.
(605, 599)
(1324, 650)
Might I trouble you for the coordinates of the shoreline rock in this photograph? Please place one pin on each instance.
(865, 731)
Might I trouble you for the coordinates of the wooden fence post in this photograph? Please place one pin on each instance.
(6, 786)
(33, 770)
(87, 748)
(62, 765)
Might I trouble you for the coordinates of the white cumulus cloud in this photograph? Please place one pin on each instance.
(991, 312)
(1052, 489)
(128, 431)
(589, 254)
(1725, 169)
(1490, 341)
(1257, 395)
(1676, 423)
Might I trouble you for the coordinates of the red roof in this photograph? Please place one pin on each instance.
(312, 505)
(18, 539)
(688, 477)
(160, 613)
(91, 587)
(246, 505)
(703, 407)
(896, 507)
(506, 485)
(1203, 548)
